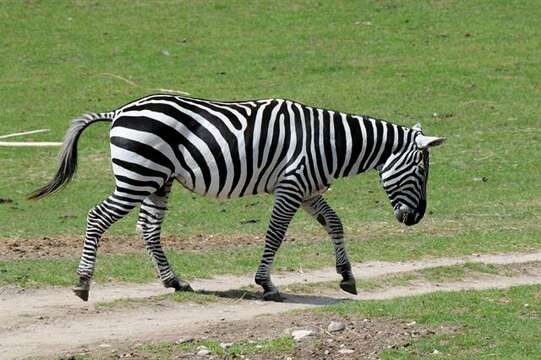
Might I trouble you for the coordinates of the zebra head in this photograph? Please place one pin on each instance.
(404, 176)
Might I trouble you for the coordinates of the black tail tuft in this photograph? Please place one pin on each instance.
(68, 155)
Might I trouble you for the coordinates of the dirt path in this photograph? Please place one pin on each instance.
(49, 321)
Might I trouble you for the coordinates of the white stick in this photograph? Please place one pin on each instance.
(120, 78)
(24, 133)
(28, 144)
(173, 91)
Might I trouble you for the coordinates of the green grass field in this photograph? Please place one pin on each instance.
(472, 63)
(467, 70)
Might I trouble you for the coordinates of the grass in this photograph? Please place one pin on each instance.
(455, 273)
(438, 274)
(468, 70)
(495, 324)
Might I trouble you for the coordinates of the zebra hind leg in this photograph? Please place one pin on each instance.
(151, 216)
(99, 219)
(326, 216)
(286, 203)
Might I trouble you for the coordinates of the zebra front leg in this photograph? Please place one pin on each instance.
(326, 216)
(149, 225)
(99, 219)
(286, 204)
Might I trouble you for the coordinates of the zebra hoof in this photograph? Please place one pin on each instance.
(82, 289)
(349, 286)
(179, 285)
(272, 295)
(82, 294)
(184, 287)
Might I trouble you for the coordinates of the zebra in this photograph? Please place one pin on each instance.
(232, 149)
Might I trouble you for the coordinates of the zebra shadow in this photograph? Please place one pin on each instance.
(249, 295)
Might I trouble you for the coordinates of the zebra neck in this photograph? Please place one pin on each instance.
(362, 143)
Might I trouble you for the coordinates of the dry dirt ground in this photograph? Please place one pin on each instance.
(51, 322)
(362, 338)
(60, 246)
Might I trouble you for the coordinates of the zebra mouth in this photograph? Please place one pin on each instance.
(406, 216)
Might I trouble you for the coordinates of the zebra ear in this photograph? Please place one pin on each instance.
(424, 142)
(417, 127)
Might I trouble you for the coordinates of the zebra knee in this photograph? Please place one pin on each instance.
(96, 222)
(337, 232)
(334, 225)
(92, 214)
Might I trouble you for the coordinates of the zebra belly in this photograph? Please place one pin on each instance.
(195, 180)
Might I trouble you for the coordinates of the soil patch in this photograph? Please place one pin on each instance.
(362, 338)
(60, 246)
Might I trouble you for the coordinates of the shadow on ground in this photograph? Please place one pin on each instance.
(238, 294)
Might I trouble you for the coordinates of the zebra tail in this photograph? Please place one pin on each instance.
(68, 156)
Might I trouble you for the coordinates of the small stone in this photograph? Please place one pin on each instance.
(411, 323)
(203, 352)
(184, 340)
(335, 326)
(300, 334)
(327, 352)
(526, 305)
(436, 352)
(166, 52)
(346, 351)
(226, 345)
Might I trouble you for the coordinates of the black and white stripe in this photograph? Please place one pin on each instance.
(233, 149)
